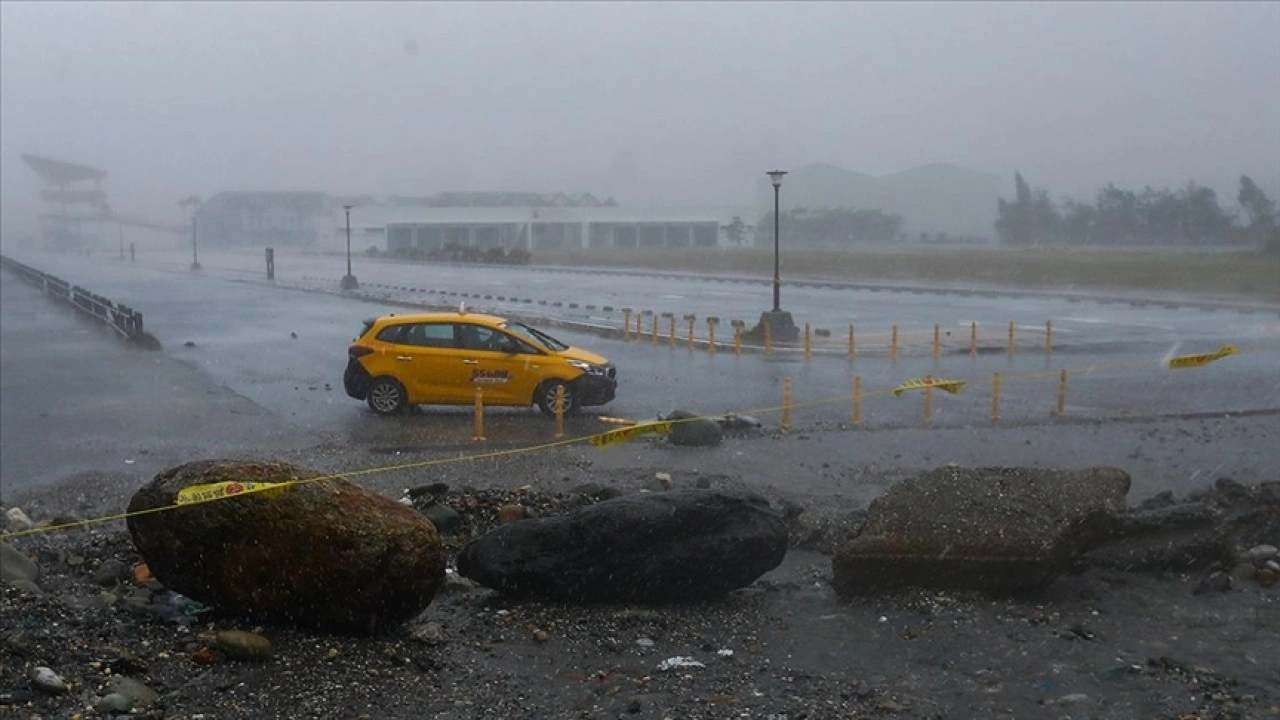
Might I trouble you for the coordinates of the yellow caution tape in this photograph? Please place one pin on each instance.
(951, 386)
(1188, 361)
(621, 435)
(218, 491)
(616, 420)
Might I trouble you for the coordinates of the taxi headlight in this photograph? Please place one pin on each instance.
(587, 367)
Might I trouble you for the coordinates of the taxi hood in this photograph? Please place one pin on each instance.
(574, 353)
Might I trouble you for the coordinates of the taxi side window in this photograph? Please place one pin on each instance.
(437, 335)
(479, 337)
(393, 334)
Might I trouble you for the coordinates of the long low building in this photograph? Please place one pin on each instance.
(270, 218)
(552, 228)
(535, 228)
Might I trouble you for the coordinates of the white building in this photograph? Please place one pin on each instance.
(534, 228)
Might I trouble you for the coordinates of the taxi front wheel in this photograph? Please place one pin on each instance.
(547, 397)
(386, 396)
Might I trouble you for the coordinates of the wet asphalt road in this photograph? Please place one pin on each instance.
(246, 383)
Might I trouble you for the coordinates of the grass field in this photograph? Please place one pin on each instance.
(1244, 275)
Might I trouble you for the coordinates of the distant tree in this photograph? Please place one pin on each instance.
(1260, 208)
(736, 230)
(1030, 218)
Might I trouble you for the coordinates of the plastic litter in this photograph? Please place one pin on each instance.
(679, 661)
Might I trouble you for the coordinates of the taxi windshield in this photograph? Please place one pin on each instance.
(537, 336)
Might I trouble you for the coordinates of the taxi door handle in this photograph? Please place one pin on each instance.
(404, 358)
(470, 362)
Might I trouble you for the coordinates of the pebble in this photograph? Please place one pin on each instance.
(46, 680)
(26, 587)
(14, 565)
(17, 521)
(644, 642)
(138, 694)
(664, 479)
(445, 518)
(428, 634)
(1260, 553)
(540, 635)
(510, 513)
(241, 645)
(1243, 571)
(204, 656)
(110, 572)
(1072, 699)
(113, 704)
(1267, 577)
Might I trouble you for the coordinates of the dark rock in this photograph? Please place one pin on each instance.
(443, 517)
(110, 572)
(653, 547)
(596, 491)
(138, 694)
(692, 430)
(1217, 582)
(114, 704)
(26, 587)
(1173, 538)
(1160, 500)
(241, 645)
(324, 553)
(995, 529)
(14, 565)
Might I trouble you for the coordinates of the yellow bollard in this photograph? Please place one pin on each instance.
(973, 339)
(808, 343)
(853, 345)
(479, 434)
(928, 404)
(1048, 337)
(626, 323)
(559, 411)
(711, 334)
(937, 341)
(893, 343)
(1012, 343)
(737, 337)
(655, 328)
(1062, 393)
(671, 331)
(857, 400)
(786, 404)
(995, 397)
(768, 340)
(691, 320)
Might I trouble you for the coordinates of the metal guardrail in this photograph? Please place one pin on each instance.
(121, 318)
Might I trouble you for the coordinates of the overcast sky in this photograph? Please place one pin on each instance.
(674, 104)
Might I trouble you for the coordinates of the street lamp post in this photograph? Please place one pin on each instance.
(193, 202)
(775, 176)
(349, 281)
(195, 253)
(781, 325)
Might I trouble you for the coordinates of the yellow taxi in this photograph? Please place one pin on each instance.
(441, 358)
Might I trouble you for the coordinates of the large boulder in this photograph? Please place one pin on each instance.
(995, 529)
(693, 430)
(652, 547)
(326, 554)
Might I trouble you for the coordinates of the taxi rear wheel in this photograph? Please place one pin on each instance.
(546, 398)
(387, 397)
